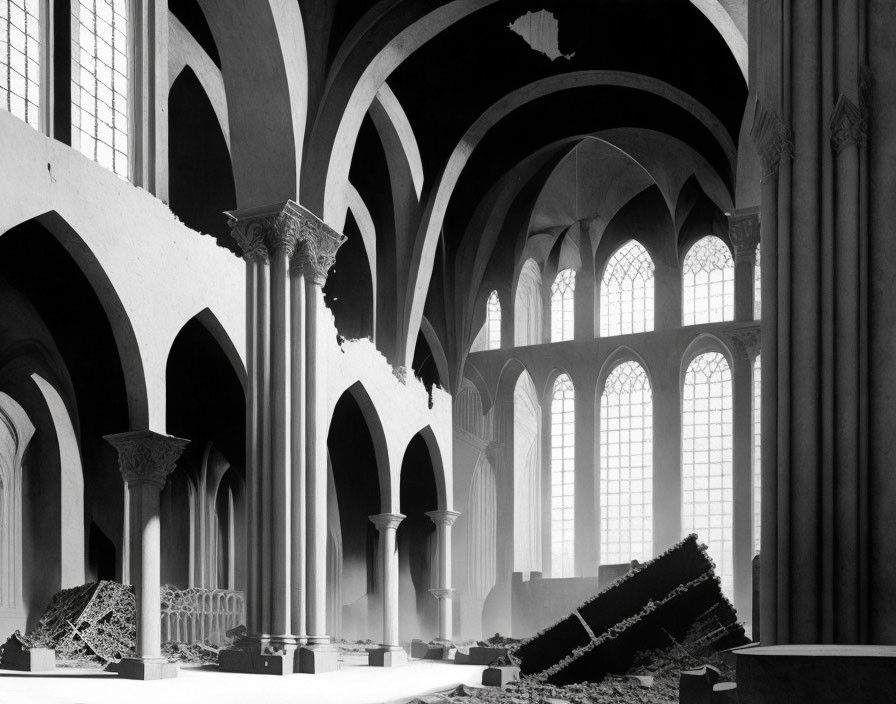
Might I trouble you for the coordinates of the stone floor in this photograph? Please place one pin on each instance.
(355, 683)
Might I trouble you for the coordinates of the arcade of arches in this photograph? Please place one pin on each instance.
(423, 319)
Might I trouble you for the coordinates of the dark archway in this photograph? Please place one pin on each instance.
(349, 288)
(200, 181)
(417, 547)
(357, 487)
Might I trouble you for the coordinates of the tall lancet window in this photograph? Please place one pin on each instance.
(757, 451)
(527, 309)
(626, 292)
(493, 321)
(563, 294)
(20, 59)
(100, 82)
(563, 486)
(626, 466)
(708, 282)
(757, 284)
(707, 492)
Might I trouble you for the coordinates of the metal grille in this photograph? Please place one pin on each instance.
(563, 292)
(200, 615)
(20, 59)
(100, 82)
(708, 282)
(626, 466)
(707, 491)
(626, 292)
(563, 466)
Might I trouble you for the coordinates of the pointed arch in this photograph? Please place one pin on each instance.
(527, 482)
(708, 282)
(368, 409)
(627, 291)
(563, 300)
(211, 323)
(438, 466)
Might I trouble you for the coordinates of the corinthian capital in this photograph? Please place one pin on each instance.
(317, 248)
(743, 230)
(145, 457)
(262, 231)
(774, 140)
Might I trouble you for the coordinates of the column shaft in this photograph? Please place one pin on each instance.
(263, 477)
(253, 450)
(149, 634)
(298, 458)
(387, 525)
(742, 484)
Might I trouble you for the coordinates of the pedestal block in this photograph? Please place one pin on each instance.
(17, 657)
(257, 663)
(480, 655)
(821, 674)
(500, 676)
(316, 659)
(724, 693)
(137, 669)
(695, 686)
(386, 657)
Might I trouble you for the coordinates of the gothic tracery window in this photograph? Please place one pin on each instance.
(626, 292)
(563, 461)
(493, 321)
(707, 490)
(708, 282)
(626, 465)
(100, 82)
(20, 59)
(563, 292)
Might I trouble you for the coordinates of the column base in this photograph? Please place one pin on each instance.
(315, 659)
(148, 669)
(387, 656)
(257, 657)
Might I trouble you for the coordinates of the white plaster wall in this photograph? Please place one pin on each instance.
(162, 272)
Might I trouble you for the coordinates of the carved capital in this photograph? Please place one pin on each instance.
(747, 342)
(443, 518)
(743, 231)
(773, 138)
(385, 521)
(265, 230)
(848, 124)
(145, 457)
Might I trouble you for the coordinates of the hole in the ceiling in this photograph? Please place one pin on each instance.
(541, 31)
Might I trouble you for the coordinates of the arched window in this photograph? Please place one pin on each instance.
(707, 497)
(708, 282)
(626, 466)
(526, 476)
(563, 293)
(493, 321)
(527, 306)
(100, 82)
(626, 292)
(757, 284)
(20, 59)
(563, 467)
(757, 451)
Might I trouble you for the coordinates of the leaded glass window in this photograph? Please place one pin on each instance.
(563, 461)
(707, 492)
(708, 282)
(626, 292)
(20, 59)
(493, 321)
(563, 293)
(100, 82)
(626, 466)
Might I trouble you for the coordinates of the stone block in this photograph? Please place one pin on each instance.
(421, 650)
(645, 681)
(724, 693)
(137, 669)
(317, 659)
(695, 686)
(256, 663)
(485, 656)
(17, 657)
(386, 657)
(500, 676)
(462, 658)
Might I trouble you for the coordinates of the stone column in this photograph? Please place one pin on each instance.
(268, 236)
(743, 230)
(745, 344)
(390, 652)
(444, 592)
(316, 255)
(146, 459)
